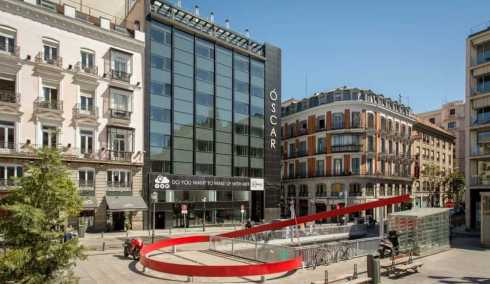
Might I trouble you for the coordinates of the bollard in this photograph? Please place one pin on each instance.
(232, 247)
(190, 279)
(262, 279)
(256, 250)
(103, 246)
(354, 275)
(326, 276)
(174, 249)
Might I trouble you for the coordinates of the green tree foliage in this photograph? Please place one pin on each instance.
(33, 228)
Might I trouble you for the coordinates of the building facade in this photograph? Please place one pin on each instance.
(477, 123)
(212, 119)
(451, 118)
(434, 160)
(344, 147)
(73, 82)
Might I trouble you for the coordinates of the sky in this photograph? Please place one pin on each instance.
(414, 48)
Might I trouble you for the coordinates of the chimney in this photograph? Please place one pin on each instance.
(247, 33)
(211, 17)
(179, 3)
(196, 10)
(227, 24)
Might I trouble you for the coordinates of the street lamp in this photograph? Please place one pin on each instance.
(204, 199)
(154, 198)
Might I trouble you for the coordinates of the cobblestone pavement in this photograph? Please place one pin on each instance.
(465, 263)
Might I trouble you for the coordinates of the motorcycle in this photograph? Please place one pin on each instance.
(133, 247)
(390, 246)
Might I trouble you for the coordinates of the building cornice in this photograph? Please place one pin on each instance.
(72, 25)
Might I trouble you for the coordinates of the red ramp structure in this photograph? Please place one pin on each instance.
(249, 269)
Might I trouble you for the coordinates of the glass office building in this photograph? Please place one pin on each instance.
(211, 121)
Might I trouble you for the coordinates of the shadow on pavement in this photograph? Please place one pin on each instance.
(467, 243)
(457, 280)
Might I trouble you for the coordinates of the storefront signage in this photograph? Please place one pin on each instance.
(273, 119)
(257, 184)
(178, 182)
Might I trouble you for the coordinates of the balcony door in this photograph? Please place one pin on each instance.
(7, 135)
(86, 142)
(50, 136)
(50, 97)
(8, 173)
(86, 103)
(50, 53)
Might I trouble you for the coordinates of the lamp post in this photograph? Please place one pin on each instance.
(204, 199)
(154, 198)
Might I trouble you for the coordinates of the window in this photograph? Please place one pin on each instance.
(86, 141)
(320, 122)
(7, 135)
(50, 136)
(355, 189)
(118, 178)
(370, 119)
(321, 190)
(320, 148)
(356, 166)
(291, 170)
(157, 62)
(320, 168)
(159, 114)
(370, 143)
(337, 167)
(452, 111)
(7, 41)
(338, 120)
(120, 103)
(204, 169)
(86, 178)
(451, 125)
(204, 146)
(120, 143)
(50, 98)
(356, 120)
(369, 166)
(256, 152)
(241, 150)
(432, 120)
(50, 52)
(337, 189)
(8, 173)
(88, 59)
(121, 68)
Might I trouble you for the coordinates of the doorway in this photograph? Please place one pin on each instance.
(160, 220)
(118, 221)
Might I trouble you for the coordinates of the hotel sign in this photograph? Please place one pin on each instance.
(273, 119)
(181, 182)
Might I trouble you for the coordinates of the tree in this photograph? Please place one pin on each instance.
(33, 228)
(433, 175)
(456, 183)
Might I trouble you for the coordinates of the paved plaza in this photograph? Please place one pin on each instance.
(466, 262)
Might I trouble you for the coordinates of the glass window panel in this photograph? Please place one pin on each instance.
(182, 168)
(183, 130)
(183, 156)
(182, 106)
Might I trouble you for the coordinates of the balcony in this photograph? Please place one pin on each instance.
(120, 155)
(10, 102)
(321, 194)
(86, 74)
(480, 150)
(481, 119)
(85, 114)
(6, 184)
(115, 188)
(86, 187)
(346, 148)
(52, 110)
(298, 154)
(120, 117)
(120, 76)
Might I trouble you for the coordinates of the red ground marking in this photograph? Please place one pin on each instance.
(249, 269)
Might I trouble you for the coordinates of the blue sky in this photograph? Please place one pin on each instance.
(413, 48)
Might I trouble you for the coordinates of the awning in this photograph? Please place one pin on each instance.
(89, 203)
(125, 203)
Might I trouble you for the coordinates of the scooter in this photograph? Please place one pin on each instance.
(390, 246)
(133, 247)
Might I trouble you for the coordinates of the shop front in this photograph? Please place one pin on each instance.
(121, 211)
(191, 201)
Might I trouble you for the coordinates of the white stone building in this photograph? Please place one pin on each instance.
(74, 81)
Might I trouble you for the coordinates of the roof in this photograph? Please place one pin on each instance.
(89, 202)
(125, 203)
(433, 127)
(420, 212)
